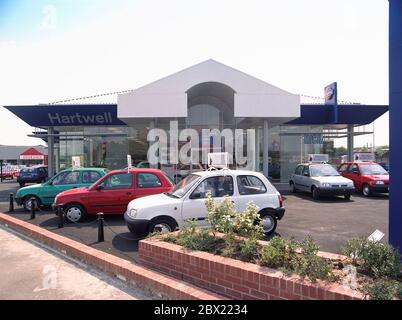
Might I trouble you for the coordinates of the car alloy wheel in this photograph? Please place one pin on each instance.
(29, 202)
(74, 214)
(162, 228)
(268, 223)
(366, 190)
(293, 188)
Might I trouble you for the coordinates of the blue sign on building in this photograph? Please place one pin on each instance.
(313, 139)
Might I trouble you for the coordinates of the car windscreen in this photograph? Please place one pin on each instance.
(323, 170)
(373, 168)
(183, 186)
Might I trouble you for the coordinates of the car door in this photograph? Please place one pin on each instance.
(305, 180)
(193, 206)
(146, 184)
(65, 180)
(112, 194)
(354, 175)
(252, 188)
(297, 176)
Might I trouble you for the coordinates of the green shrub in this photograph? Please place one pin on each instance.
(380, 289)
(249, 223)
(399, 291)
(220, 215)
(374, 258)
(194, 238)
(309, 264)
(231, 245)
(248, 249)
(280, 253)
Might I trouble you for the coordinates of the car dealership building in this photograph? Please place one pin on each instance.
(209, 95)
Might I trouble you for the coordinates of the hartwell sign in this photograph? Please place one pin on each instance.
(68, 115)
(80, 119)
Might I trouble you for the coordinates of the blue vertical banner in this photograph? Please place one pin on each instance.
(331, 99)
(395, 118)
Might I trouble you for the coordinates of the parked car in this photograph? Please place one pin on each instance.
(164, 212)
(7, 172)
(368, 177)
(35, 174)
(112, 193)
(320, 179)
(45, 193)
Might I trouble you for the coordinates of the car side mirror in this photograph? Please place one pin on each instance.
(100, 187)
(355, 172)
(196, 195)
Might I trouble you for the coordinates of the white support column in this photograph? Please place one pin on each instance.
(265, 144)
(257, 149)
(50, 152)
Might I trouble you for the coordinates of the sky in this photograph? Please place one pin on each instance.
(52, 50)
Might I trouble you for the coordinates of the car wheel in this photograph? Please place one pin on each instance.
(315, 193)
(27, 202)
(347, 196)
(74, 212)
(366, 190)
(292, 187)
(269, 223)
(162, 225)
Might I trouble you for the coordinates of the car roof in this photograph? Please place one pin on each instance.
(227, 171)
(311, 163)
(134, 169)
(83, 168)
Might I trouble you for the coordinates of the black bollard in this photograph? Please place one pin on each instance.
(60, 214)
(33, 208)
(11, 209)
(101, 234)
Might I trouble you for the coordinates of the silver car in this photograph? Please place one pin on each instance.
(320, 179)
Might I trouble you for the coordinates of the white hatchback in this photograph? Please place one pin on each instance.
(165, 212)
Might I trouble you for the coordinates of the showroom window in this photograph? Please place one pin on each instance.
(148, 180)
(250, 185)
(218, 187)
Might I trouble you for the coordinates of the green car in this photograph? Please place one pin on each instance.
(45, 193)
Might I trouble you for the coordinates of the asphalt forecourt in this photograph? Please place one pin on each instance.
(330, 221)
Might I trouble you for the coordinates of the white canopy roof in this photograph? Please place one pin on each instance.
(168, 97)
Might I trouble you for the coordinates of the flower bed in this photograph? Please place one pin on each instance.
(234, 262)
(237, 279)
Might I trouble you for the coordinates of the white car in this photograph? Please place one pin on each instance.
(320, 179)
(165, 212)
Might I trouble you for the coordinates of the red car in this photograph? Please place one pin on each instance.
(112, 193)
(368, 177)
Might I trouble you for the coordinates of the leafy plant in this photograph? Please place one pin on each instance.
(311, 265)
(249, 249)
(231, 247)
(380, 289)
(194, 238)
(220, 215)
(280, 253)
(374, 258)
(249, 223)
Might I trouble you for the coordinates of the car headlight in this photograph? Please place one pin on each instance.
(326, 185)
(132, 213)
(379, 182)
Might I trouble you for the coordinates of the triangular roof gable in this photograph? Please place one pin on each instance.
(32, 152)
(209, 71)
(167, 97)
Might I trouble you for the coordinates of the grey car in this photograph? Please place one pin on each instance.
(320, 179)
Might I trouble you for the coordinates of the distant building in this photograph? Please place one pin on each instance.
(23, 155)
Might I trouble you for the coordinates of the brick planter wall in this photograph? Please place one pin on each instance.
(236, 279)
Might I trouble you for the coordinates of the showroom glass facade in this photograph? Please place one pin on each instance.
(104, 146)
